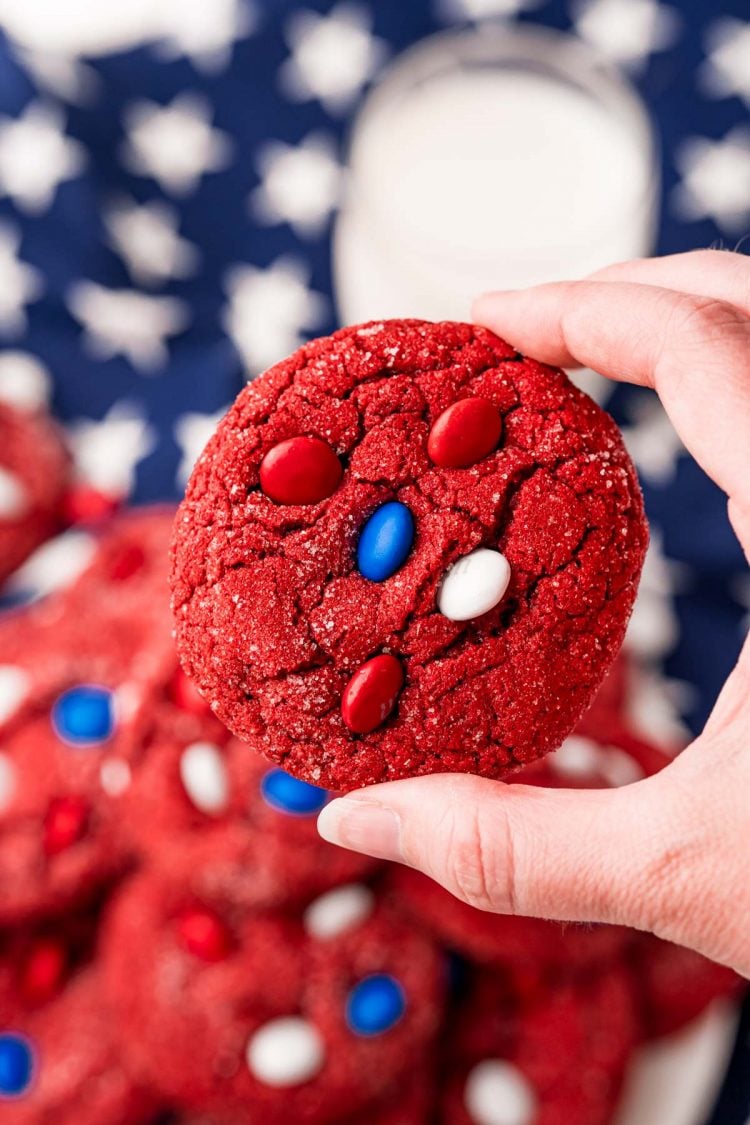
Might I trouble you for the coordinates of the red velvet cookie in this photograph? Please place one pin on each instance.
(273, 1017)
(33, 476)
(73, 1069)
(557, 1062)
(79, 674)
(203, 807)
(676, 985)
(407, 549)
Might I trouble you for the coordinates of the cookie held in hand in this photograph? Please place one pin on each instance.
(407, 549)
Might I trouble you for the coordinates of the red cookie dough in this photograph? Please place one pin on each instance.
(78, 1074)
(33, 476)
(61, 835)
(195, 810)
(273, 617)
(676, 985)
(61, 839)
(557, 1062)
(197, 1000)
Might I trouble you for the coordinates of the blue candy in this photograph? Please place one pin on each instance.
(16, 1065)
(385, 541)
(375, 1005)
(289, 795)
(84, 716)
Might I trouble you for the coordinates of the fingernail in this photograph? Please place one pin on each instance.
(362, 826)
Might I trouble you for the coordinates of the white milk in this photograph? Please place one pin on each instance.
(485, 161)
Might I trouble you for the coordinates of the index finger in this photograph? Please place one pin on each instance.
(695, 351)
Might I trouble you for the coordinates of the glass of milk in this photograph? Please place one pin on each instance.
(491, 159)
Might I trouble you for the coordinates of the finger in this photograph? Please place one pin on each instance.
(632, 856)
(695, 351)
(719, 274)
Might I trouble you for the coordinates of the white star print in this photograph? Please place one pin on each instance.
(36, 156)
(126, 322)
(175, 143)
(106, 452)
(332, 56)
(270, 310)
(715, 180)
(20, 283)
(726, 71)
(53, 566)
(191, 432)
(300, 186)
(65, 76)
(24, 381)
(146, 239)
(652, 441)
(653, 630)
(205, 32)
(627, 30)
(483, 9)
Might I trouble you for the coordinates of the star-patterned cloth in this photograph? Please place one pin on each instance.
(170, 171)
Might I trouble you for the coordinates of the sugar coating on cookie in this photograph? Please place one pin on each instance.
(484, 531)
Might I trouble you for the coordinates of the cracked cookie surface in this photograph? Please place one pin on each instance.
(273, 616)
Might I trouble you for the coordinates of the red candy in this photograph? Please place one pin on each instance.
(371, 694)
(42, 972)
(464, 433)
(64, 824)
(203, 935)
(301, 470)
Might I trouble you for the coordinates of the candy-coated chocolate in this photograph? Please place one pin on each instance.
(203, 934)
(16, 1065)
(496, 1093)
(371, 693)
(301, 470)
(84, 716)
(42, 971)
(64, 823)
(203, 773)
(464, 433)
(285, 1052)
(474, 585)
(375, 1005)
(385, 541)
(290, 795)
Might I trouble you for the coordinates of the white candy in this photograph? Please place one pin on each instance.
(285, 1052)
(7, 782)
(114, 776)
(14, 687)
(204, 777)
(496, 1093)
(13, 498)
(474, 585)
(338, 910)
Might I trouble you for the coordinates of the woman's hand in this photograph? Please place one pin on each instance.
(670, 854)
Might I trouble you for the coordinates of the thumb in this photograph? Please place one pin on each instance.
(583, 855)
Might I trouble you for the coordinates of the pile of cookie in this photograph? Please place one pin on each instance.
(177, 944)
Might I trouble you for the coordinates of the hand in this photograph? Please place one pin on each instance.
(670, 854)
